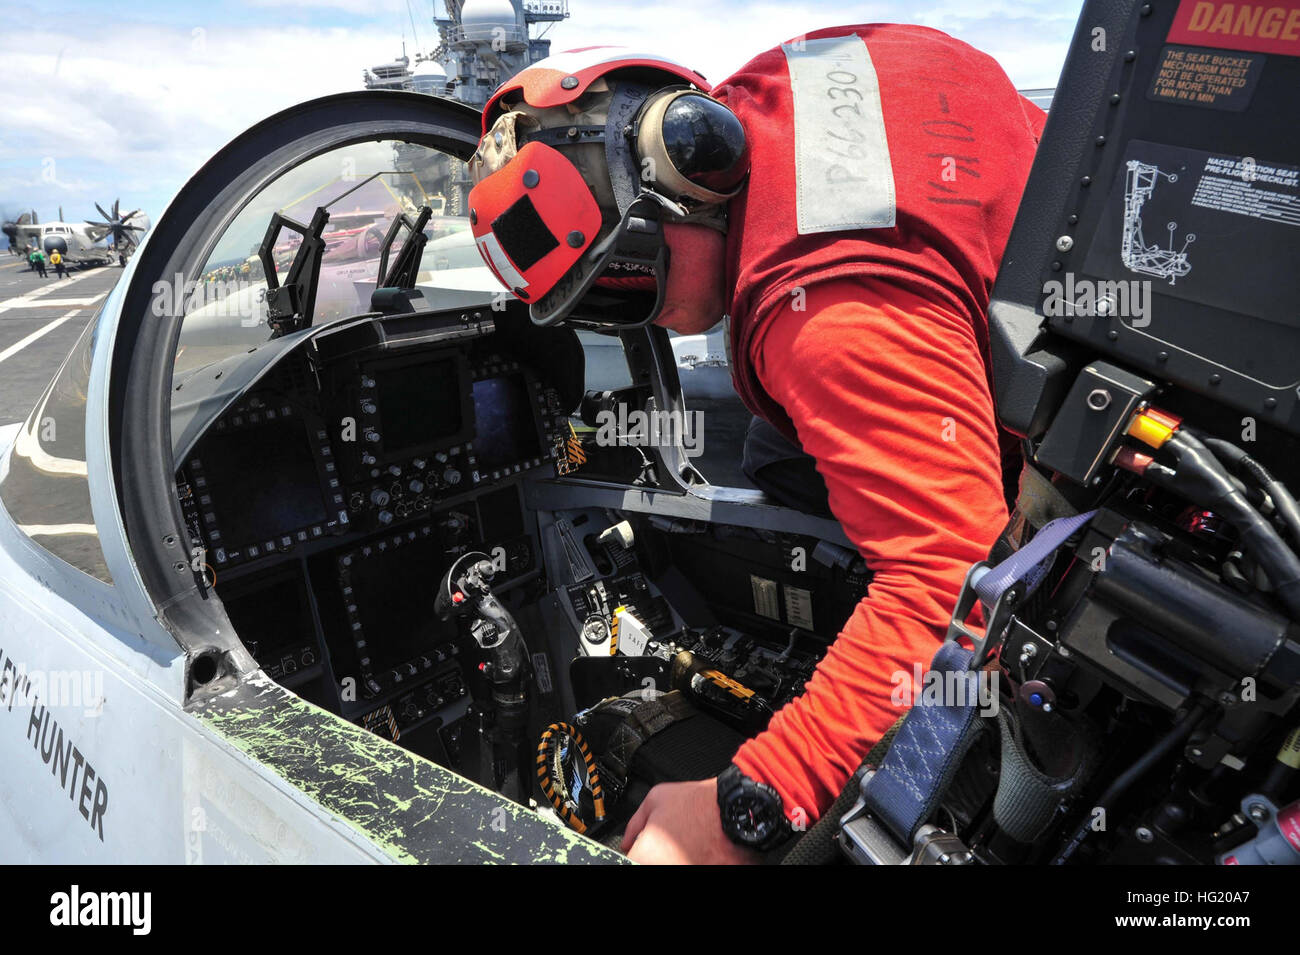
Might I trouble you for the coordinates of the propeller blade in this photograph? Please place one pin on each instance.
(102, 212)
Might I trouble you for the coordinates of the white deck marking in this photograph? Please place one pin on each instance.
(69, 302)
(54, 284)
(45, 329)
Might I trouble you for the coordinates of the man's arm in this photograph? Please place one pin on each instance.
(888, 393)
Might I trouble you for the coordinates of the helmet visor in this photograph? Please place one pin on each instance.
(697, 146)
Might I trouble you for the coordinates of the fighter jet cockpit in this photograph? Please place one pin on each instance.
(347, 558)
(461, 531)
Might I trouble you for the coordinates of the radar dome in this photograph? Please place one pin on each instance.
(485, 20)
(429, 77)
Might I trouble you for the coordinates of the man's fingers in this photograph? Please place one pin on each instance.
(648, 849)
(634, 827)
(637, 822)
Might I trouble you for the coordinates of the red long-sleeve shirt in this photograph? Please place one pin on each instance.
(904, 437)
(859, 326)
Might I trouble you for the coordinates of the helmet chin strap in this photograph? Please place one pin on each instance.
(711, 217)
(636, 247)
(674, 207)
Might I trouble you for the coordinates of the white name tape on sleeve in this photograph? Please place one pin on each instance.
(844, 179)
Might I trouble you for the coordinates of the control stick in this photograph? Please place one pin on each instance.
(505, 749)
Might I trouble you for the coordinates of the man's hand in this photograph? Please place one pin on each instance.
(678, 824)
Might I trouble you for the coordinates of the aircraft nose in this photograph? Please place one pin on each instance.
(54, 243)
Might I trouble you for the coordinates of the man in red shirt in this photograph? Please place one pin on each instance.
(855, 264)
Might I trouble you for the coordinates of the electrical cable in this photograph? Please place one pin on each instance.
(1176, 735)
(1200, 477)
(1283, 500)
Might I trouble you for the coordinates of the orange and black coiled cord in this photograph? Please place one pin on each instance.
(555, 791)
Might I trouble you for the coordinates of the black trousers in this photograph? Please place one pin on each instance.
(783, 471)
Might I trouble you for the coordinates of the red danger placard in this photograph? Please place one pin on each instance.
(1272, 26)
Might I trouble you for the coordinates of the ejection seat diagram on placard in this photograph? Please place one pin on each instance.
(1137, 255)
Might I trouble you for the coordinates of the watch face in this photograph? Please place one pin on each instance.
(751, 816)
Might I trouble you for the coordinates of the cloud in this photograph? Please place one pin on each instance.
(368, 8)
(132, 108)
(114, 115)
(716, 37)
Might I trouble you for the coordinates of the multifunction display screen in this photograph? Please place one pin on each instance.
(421, 405)
(507, 422)
(263, 480)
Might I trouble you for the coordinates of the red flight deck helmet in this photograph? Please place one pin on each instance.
(584, 156)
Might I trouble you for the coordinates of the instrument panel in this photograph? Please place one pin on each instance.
(282, 468)
(326, 502)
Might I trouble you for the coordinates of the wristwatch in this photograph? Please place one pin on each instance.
(751, 811)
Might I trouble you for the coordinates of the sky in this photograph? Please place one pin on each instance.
(107, 100)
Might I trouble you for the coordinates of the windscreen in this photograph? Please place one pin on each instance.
(363, 187)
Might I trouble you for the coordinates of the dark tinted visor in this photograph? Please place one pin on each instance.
(705, 142)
